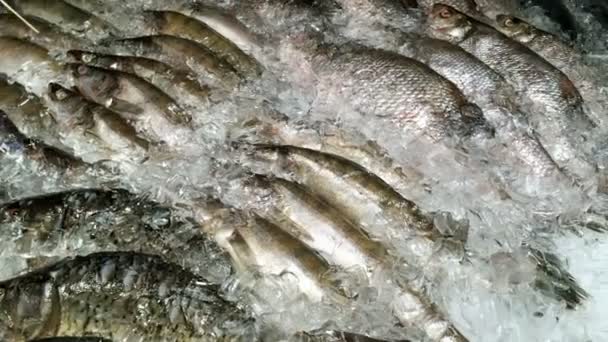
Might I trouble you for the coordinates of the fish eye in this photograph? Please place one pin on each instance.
(82, 70)
(509, 22)
(445, 13)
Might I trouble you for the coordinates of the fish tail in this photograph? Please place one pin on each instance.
(553, 280)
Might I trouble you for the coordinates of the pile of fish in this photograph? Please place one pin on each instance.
(291, 170)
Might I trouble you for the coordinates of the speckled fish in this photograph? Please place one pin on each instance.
(317, 224)
(50, 36)
(28, 113)
(105, 127)
(120, 296)
(492, 93)
(403, 91)
(547, 45)
(177, 84)
(181, 54)
(360, 196)
(180, 25)
(67, 17)
(556, 105)
(258, 245)
(153, 113)
(84, 221)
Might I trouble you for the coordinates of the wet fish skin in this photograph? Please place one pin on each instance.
(492, 93)
(363, 198)
(12, 140)
(557, 104)
(28, 113)
(83, 221)
(404, 91)
(118, 295)
(335, 336)
(153, 113)
(545, 44)
(177, 84)
(66, 16)
(179, 25)
(50, 36)
(317, 224)
(104, 124)
(258, 245)
(179, 53)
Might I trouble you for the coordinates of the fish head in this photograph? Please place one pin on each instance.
(446, 23)
(514, 27)
(95, 84)
(81, 56)
(60, 94)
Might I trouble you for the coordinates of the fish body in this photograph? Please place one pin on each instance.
(179, 25)
(177, 84)
(153, 113)
(120, 296)
(50, 36)
(363, 198)
(320, 226)
(107, 128)
(84, 221)
(404, 91)
(549, 46)
(28, 113)
(556, 105)
(258, 245)
(487, 88)
(181, 54)
(68, 17)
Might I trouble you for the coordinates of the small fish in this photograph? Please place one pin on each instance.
(69, 18)
(119, 296)
(153, 113)
(318, 225)
(179, 25)
(83, 221)
(177, 84)
(363, 198)
(106, 127)
(179, 53)
(51, 37)
(258, 245)
(556, 105)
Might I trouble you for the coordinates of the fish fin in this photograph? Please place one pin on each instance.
(121, 106)
(553, 280)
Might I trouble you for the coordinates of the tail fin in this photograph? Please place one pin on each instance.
(553, 280)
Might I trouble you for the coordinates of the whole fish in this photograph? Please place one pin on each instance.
(258, 245)
(153, 113)
(84, 221)
(103, 126)
(50, 36)
(118, 296)
(547, 45)
(179, 53)
(402, 90)
(556, 105)
(28, 113)
(69, 18)
(363, 198)
(179, 25)
(177, 84)
(492, 93)
(317, 224)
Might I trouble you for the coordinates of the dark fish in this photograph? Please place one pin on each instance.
(119, 296)
(82, 221)
(51, 37)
